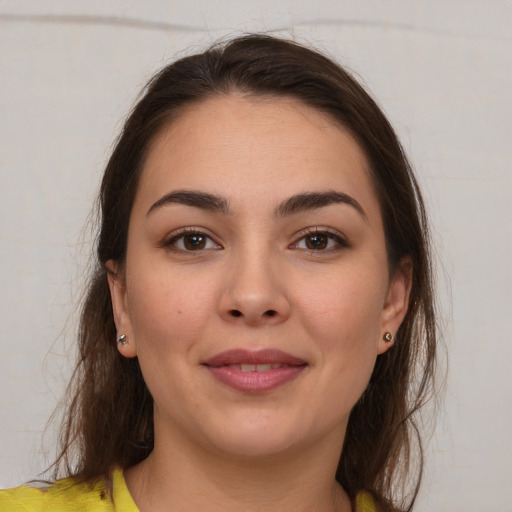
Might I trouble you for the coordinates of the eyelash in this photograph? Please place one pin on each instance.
(331, 236)
(171, 243)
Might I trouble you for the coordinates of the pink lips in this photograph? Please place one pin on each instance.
(257, 371)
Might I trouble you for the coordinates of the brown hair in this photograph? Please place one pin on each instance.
(110, 416)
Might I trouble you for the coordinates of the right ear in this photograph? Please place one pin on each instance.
(118, 296)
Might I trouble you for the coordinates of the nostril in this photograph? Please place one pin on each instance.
(235, 312)
(270, 312)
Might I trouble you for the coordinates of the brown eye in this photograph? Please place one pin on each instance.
(194, 242)
(317, 242)
(191, 241)
(320, 241)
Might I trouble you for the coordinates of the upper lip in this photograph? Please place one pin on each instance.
(243, 356)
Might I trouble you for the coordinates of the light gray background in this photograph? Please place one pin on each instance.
(70, 70)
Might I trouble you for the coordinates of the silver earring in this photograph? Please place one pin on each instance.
(387, 336)
(122, 340)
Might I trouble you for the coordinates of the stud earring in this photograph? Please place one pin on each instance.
(387, 336)
(122, 340)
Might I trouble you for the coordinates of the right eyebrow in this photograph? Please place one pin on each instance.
(202, 200)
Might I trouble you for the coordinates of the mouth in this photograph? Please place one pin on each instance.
(263, 367)
(255, 371)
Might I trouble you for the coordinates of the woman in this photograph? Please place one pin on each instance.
(259, 330)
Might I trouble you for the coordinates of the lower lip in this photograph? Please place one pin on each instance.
(255, 381)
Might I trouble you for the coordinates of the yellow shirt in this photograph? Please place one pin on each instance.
(67, 496)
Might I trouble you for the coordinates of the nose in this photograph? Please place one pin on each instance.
(254, 292)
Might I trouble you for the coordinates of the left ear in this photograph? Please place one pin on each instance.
(397, 302)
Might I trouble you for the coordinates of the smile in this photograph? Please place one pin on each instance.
(254, 372)
(257, 367)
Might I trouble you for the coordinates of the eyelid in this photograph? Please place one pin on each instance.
(170, 239)
(333, 234)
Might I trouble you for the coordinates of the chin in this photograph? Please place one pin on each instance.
(255, 437)
(256, 445)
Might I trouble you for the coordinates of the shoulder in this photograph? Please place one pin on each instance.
(64, 495)
(67, 496)
(364, 502)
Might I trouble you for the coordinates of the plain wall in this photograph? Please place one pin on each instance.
(69, 72)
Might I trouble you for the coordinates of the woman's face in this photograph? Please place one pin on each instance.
(256, 289)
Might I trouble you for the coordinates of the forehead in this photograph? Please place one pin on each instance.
(238, 147)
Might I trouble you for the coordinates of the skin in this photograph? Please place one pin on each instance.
(255, 282)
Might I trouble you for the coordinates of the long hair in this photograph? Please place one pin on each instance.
(109, 419)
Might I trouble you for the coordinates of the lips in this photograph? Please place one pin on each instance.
(255, 371)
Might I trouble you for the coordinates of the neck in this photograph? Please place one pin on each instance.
(191, 478)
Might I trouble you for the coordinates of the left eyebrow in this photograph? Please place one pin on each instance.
(314, 200)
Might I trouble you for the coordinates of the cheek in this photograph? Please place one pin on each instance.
(343, 308)
(342, 315)
(168, 310)
(169, 313)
